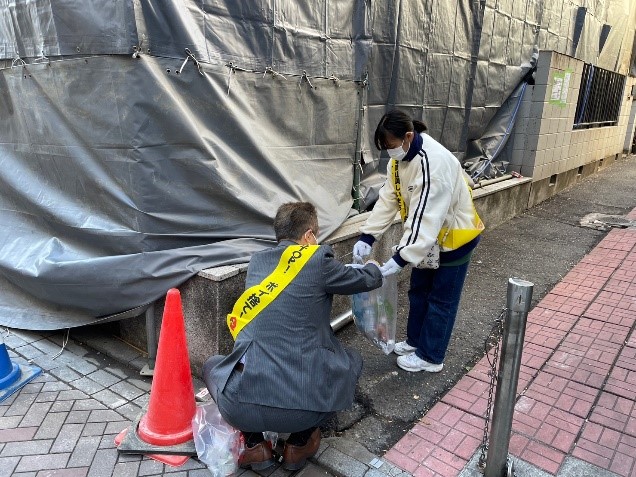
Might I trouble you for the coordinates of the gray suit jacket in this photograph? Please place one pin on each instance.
(292, 357)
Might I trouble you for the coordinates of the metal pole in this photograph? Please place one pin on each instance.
(518, 302)
(151, 341)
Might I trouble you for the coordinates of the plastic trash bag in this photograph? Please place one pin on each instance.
(375, 313)
(218, 444)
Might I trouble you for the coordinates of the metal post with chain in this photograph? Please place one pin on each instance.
(494, 338)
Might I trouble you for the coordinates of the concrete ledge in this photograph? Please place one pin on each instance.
(348, 458)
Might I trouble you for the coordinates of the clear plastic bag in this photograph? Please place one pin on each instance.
(375, 313)
(218, 444)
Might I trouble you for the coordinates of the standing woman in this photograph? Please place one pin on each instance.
(427, 185)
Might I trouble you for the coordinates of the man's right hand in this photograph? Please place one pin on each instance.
(361, 250)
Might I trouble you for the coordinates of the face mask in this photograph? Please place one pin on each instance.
(397, 153)
(315, 239)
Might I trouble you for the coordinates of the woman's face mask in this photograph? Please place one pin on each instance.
(397, 153)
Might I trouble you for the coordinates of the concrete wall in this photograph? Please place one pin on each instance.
(545, 146)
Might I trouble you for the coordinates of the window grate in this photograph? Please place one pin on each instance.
(599, 98)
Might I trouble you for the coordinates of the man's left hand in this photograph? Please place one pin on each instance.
(389, 268)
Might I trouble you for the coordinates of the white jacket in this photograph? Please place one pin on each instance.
(437, 197)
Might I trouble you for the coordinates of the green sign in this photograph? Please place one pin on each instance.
(560, 87)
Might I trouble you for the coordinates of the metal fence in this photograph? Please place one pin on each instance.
(599, 98)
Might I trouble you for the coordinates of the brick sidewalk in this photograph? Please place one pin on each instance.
(577, 380)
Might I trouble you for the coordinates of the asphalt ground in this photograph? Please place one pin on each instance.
(540, 246)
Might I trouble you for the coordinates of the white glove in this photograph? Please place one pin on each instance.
(361, 250)
(389, 268)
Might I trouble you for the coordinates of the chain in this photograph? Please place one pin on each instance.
(493, 339)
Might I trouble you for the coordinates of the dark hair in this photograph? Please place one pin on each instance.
(396, 123)
(293, 219)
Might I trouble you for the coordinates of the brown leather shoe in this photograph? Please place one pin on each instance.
(295, 457)
(258, 457)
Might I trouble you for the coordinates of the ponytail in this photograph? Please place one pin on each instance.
(395, 123)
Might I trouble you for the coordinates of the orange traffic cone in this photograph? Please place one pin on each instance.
(166, 428)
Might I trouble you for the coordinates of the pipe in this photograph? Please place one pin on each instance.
(341, 320)
(518, 303)
(487, 182)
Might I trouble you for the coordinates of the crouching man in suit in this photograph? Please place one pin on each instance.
(287, 372)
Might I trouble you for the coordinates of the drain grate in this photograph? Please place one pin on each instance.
(606, 222)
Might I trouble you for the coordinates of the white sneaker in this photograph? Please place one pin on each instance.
(403, 348)
(413, 363)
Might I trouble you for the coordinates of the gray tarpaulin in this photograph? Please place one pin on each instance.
(125, 169)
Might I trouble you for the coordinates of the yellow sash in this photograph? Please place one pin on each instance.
(404, 211)
(449, 239)
(255, 299)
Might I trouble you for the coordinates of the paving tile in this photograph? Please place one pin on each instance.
(94, 429)
(544, 423)
(55, 386)
(65, 373)
(104, 378)
(73, 472)
(103, 463)
(88, 405)
(580, 292)
(77, 417)
(627, 358)
(126, 469)
(28, 351)
(623, 287)
(623, 464)
(126, 390)
(9, 421)
(142, 384)
(122, 373)
(21, 406)
(564, 304)
(622, 382)
(80, 364)
(108, 441)
(71, 394)
(43, 462)
(401, 460)
(130, 411)
(116, 427)
(605, 447)
(562, 394)
(552, 319)
(105, 415)
(27, 448)
(67, 438)
(538, 454)
(110, 399)
(84, 451)
(407, 443)
(443, 462)
(87, 385)
(469, 394)
(17, 434)
(51, 425)
(62, 406)
(535, 356)
(7, 465)
(49, 396)
(543, 336)
(32, 388)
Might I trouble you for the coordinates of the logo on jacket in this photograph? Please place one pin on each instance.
(410, 188)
